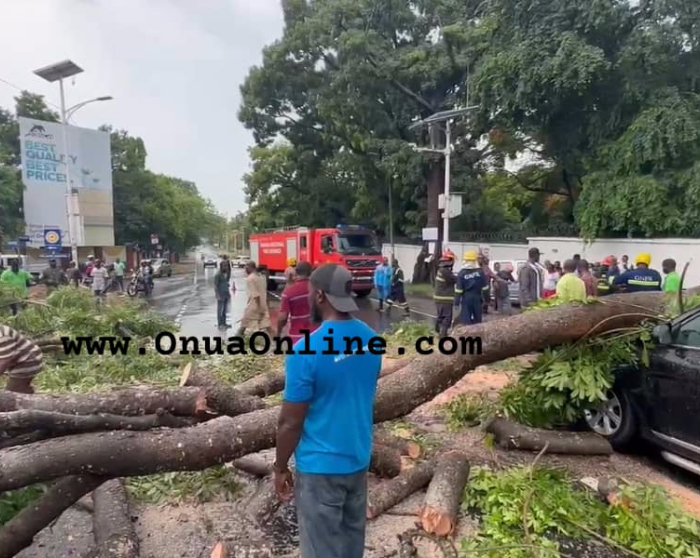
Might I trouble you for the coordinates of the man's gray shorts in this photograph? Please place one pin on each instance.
(331, 510)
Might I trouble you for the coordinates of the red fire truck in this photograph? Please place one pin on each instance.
(353, 247)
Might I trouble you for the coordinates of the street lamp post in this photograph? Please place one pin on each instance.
(59, 72)
(447, 117)
(391, 217)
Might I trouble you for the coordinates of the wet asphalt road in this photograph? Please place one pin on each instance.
(189, 300)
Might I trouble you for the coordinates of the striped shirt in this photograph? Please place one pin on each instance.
(295, 302)
(19, 357)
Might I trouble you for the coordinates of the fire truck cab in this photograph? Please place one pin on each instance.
(351, 246)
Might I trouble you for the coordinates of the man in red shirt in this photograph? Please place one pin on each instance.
(295, 305)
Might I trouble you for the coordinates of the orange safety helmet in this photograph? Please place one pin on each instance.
(447, 255)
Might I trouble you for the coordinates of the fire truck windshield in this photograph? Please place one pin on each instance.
(357, 244)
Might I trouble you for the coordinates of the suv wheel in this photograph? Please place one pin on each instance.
(614, 419)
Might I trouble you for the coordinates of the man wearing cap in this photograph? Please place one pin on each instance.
(471, 281)
(326, 421)
(640, 279)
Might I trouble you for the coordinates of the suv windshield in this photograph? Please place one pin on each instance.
(361, 244)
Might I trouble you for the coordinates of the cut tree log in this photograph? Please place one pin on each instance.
(225, 438)
(391, 365)
(253, 465)
(404, 447)
(114, 531)
(60, 424)
(511, 435)
(224, 399)
(19, 532)
(264, 502)
(438, 516)
(263, 385)
(385, 461)
(390, 493)
(184, 401)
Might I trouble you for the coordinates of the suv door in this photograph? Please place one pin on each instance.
(672, 385)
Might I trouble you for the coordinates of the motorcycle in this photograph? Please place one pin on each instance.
(139, 285)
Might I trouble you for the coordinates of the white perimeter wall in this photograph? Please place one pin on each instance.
(559, 248)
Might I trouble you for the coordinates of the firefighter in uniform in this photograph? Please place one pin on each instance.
(469, 290)
(639, 279)
(444, 294)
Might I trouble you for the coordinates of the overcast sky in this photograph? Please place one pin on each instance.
(174, 68)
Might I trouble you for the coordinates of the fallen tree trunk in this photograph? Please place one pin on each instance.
(263, 385)
(391, 365)
(187, 401)
(224, 399)
(114, 531)
(225, 439)
(385, 461)
(60, 424)
(264, 502)
(19, 532)
(438, 516)
(426, 376)
(404, 447)
(511, 435)
(390, 493)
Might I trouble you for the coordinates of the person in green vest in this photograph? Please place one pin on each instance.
(19, 280)
(672, 281)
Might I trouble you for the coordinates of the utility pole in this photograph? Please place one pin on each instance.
(446, 210)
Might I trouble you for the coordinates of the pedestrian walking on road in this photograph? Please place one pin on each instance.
(53, 277)
(256, 316)
(223, 296)
(119, 268)
(382, 282)
(471, 280)
(326, 422)
(75, 277)
(20, 360)
(444, 295)
(672, 281)
(19, 280)
(571, 288)
(397, 295)
(100, 277)
(225, 266)
(530, 279)
(294, 307)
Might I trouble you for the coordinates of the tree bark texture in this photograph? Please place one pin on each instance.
(426, 376)
(187, 401)
(511, 435)
(114, 531)
(253, 465)
(264, 502)
(224, 399)
(391, 365)
(404, 447)
(385, 461)
(60, 424)
(19, 532)
(120, 453)
(263, 385)
(390, 493)
(438, 516)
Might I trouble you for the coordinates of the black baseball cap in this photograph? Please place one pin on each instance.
(336, 283)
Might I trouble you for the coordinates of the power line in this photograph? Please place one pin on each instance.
(21, 89)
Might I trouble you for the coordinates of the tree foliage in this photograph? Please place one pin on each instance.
(603, 93)
(144, 203)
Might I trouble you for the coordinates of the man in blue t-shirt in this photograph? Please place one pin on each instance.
(326, 421)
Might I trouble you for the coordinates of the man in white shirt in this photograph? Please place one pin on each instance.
(100, 276)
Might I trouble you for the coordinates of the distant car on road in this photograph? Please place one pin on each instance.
(240, 261)
(161, 267)
(659, 403)
(211, 261)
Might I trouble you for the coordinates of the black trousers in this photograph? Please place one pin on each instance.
(444, 317)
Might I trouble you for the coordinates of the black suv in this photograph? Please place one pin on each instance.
(659, 403)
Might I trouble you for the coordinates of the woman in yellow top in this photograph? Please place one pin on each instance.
(290, 273)
(570, 288)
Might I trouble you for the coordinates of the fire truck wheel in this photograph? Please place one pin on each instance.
(363, 294)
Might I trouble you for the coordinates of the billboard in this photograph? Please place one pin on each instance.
(54, 156)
